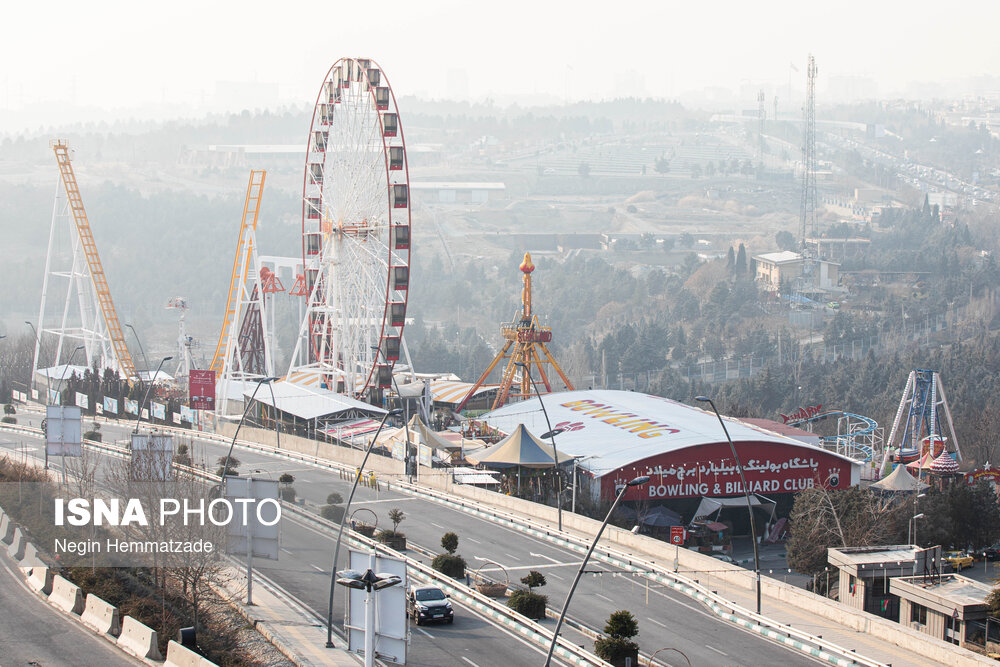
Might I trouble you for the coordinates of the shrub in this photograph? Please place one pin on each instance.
(332, 512)
(9, 420)
(234, 463)
(528, 604)
(9, 409)
(287, 493)
(534, 579)
(334, 499)
(449, 542)
(617, 643)
(92, 435)
(286, 478)
(449, 564)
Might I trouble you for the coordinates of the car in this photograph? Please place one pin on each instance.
(428, 604)
(993, 552)
(959, 560)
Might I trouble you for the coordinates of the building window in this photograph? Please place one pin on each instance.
(918, 613)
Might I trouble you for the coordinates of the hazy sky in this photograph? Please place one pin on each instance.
(68, 61)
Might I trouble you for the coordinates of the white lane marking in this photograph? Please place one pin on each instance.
(548, 558)
(316, 567)
(653, 620)
(437, 525)
(527, 567)
(604, 597)
(556, 576)
(384, 500)
(512, 557)
(287, 551)
(474, 541)
(469, 661)
(716, 650)
(419, 629)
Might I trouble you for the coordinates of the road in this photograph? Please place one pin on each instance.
(666, 619)
(32, 632)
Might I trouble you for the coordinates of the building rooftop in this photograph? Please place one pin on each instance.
(783, 257)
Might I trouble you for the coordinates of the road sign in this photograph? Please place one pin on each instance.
(390, 609)
(62, 431)
(677, 534)
(250, 525)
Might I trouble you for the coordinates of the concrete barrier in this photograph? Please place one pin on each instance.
(101, 616)
(179, 656)
(7, 529)
(40, 580)
(16, 548)
(31, 556)
(66, 595)
(139, 640)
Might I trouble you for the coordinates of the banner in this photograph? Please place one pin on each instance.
(82, 400)
(176, 417)
(201, 388)
(110, 405)
(159, 410)
(132, 407)
(34, 394)
(187, 414)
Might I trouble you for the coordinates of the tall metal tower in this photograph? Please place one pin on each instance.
(761, 114)
(807, 212)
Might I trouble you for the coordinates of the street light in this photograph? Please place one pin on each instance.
(225, 466)
(371, 583)
(746, 494)
(144, 359)
(145, 395)
(916, 497)
(669, 649)
(66, 367)
(638, 481)
(343, 519)
(913, 523)
(551, 435)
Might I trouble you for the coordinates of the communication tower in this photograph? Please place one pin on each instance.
(807, 212)
(525, 343)
(184, 342)
(88, 315)
(761, 114)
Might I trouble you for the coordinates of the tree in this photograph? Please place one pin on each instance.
(741, 260)
(449, 542)
(534, 579)
(397, 516)
(616, 646)
(231, 469)
(785, 240)
(662, 166)
(822, 518)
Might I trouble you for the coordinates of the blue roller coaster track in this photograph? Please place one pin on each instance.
(858, 440)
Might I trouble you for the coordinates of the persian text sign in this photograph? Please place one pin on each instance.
(709, 470)
(201, 388)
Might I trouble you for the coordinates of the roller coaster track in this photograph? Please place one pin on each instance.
(846, 442)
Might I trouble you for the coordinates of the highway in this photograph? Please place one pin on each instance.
(666, 619)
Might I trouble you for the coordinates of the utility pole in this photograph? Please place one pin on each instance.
(807, 211)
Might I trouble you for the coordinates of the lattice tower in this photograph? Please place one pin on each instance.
(807, 212)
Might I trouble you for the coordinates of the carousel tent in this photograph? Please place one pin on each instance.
(522, 449)
(898, 481)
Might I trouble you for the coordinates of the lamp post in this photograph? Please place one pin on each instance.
(913, 523)
(144, 359)
(551, 435)
(669, 649)
(746, 494)
(916, 497)
(343, 519)
(229, 454)
(66, 367)
(371, 583)
(638, 481)
(152, 381)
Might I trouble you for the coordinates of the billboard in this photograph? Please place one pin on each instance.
(252, 519)
(62, 431)
(390, 608)
(159, 410)
(110, 405)
(201, 389)
(82, 400)
(131, 406)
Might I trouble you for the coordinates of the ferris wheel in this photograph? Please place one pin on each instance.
(355, 232)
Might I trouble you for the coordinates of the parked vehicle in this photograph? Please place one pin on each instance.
(993, 552)
(428, 604)
(959, 560)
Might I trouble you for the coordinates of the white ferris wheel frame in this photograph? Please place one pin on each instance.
(355, 231)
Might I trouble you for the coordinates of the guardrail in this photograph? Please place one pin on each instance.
(725, 609)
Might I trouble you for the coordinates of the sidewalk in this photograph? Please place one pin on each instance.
(295, 632)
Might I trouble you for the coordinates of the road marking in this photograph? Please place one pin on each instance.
(548, 558)
(604, 597)
(316, 567)
(437, 525)
(512, 557)
(419, 629)
(287, 551)
(469, 661)
(716, 650)
(556, 576)
(473, 540)
(653, 620)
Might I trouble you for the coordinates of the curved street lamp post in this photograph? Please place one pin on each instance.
(638, 481)
(551, 435)
(746, 494)
(152, 382)
(343, 520)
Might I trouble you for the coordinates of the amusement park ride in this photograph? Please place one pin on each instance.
(355, 235)
(525, 344)
(920, 433)
(88, 313)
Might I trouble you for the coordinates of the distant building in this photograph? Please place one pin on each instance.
(458, 193)
(786, 266)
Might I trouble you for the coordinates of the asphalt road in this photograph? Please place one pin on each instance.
(666, 619)
(34, 633)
